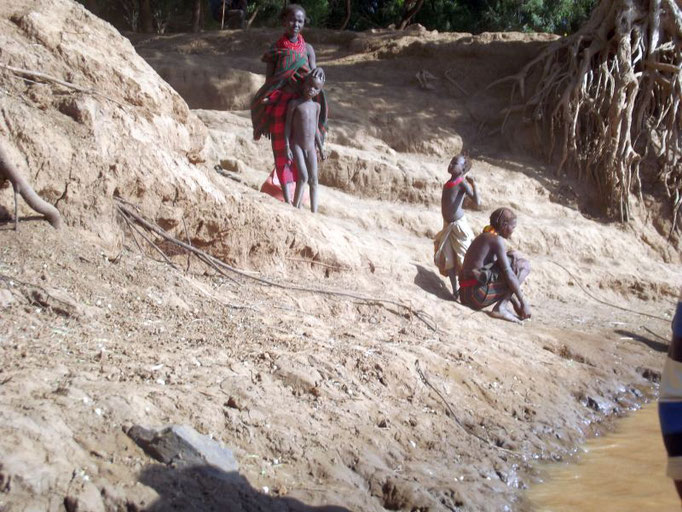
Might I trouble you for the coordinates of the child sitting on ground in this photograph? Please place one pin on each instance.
(301, 137)
(452, 242)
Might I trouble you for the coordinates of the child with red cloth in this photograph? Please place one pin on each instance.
(288, 61)
(451, 243)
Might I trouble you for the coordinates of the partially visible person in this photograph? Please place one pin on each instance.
(491, 275)
(303, 139)
(670, 401)
(451, 243)
(232, 12)
(288, 61)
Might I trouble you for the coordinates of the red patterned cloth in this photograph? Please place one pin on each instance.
(277, 111)
(478, 296)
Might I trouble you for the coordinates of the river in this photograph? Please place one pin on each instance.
(623, 471)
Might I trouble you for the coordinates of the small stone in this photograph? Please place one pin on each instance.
(233, 404)
(6, 298)
(84, 498)
(180, 446)
(232, 164)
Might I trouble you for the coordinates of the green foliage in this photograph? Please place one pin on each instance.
(447, 16)
(556, 16)
(317, 12)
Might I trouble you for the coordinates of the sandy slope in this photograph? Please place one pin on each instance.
(319, 396)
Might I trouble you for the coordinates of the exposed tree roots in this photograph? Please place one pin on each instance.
(129, 215)
(9, 171)
(606, 100)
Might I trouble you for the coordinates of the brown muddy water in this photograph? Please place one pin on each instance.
(623, 471)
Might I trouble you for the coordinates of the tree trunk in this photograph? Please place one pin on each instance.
(146, 18)
(253, 17)
(346, 20)
(196, 16)
(412, 7)
(608, 99)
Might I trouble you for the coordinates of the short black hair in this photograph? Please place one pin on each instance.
(290, 8)
(310, 77)
(502, 217)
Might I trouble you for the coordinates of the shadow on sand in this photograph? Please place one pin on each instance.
(430, 282)
(653, 345)
(208, 489)
(7, 221)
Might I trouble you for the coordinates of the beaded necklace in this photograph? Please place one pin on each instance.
(298, 46)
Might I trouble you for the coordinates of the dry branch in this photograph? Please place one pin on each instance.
(126, 211)
(9, 171)
(48, 78)
(426, 381)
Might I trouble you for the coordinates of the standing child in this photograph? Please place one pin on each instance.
(301, 137)
(452, 242)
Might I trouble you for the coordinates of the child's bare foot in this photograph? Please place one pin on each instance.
(501, 311)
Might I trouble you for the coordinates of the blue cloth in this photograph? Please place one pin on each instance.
(670, 402)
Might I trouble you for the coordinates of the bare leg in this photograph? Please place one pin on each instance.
(312, 167)
(299, 157)
(285, 192)
(521, 268)
(16, 208)
(452, 274)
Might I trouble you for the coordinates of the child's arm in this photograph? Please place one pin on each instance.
(287, 128)
(318, 139)
(503, 263)
(471, 190)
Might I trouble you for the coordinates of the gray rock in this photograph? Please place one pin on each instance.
(232, 164)
(85, 498)
(183, 446)
(6, 298)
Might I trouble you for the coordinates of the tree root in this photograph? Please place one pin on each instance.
(125, 210)
(608, 98)
(49, 78)
(606, 303)
(426, 381)
(9, 171)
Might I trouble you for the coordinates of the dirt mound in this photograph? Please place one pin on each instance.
(81, 148)
(128, 135)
